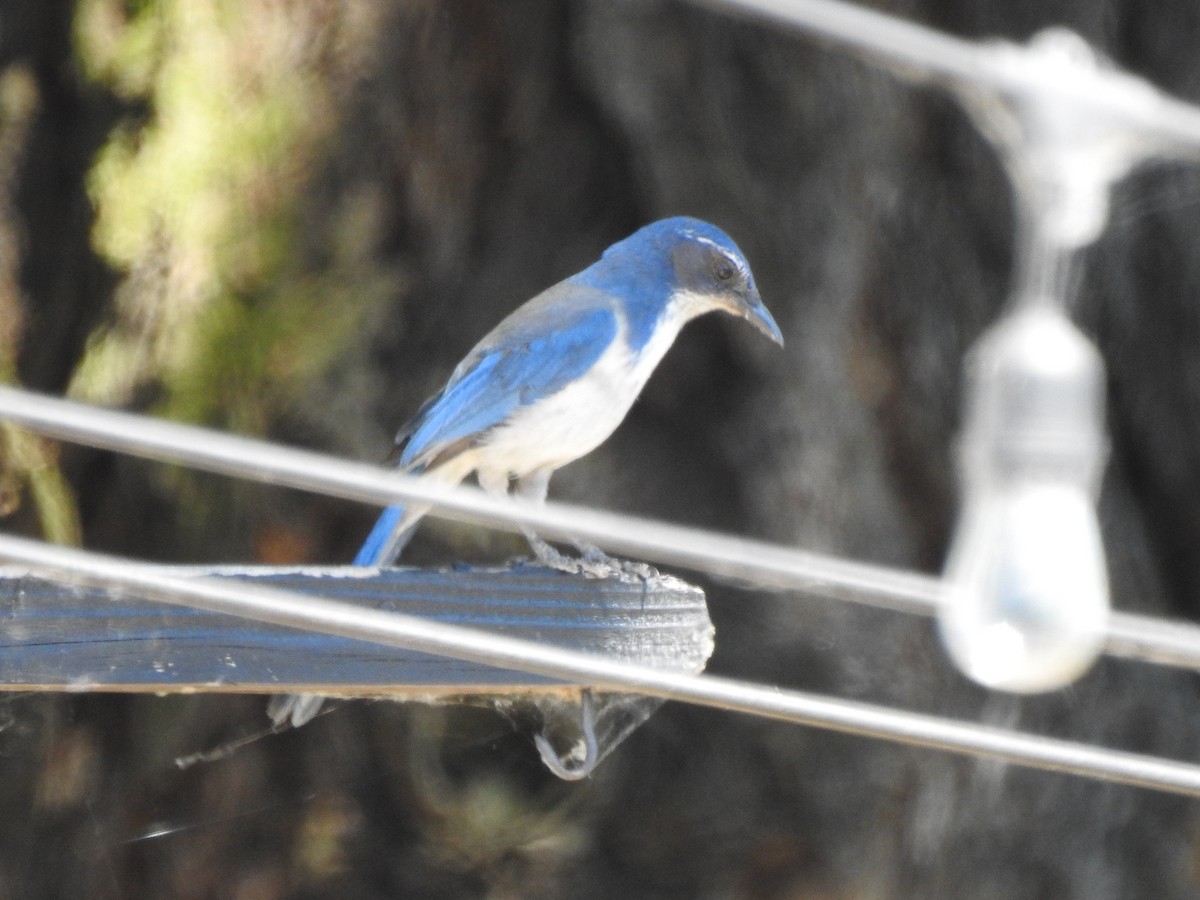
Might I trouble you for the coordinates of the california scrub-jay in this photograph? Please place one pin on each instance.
(557, 376)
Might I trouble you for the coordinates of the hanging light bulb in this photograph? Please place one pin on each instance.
(1026, 601)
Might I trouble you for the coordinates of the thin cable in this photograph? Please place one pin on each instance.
(392, 629)
(920, 53)
(917, 51)
(758, 563)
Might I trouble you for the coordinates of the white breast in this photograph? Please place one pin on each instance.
(565, 426)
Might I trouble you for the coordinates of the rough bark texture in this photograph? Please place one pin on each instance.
(491, 149)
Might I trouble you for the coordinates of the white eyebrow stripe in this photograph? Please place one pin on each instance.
(700, 239)
(724, 251)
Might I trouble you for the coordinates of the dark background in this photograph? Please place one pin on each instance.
(291, 220)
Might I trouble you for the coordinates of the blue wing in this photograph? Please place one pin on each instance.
(538, 350)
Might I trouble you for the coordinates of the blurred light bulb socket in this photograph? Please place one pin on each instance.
(1026, 600)
(1063, 145)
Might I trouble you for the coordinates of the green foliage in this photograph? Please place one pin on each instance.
(201, 202)
(28, 464)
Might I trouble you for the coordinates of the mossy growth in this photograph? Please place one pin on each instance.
(244, 278)
(226, 311)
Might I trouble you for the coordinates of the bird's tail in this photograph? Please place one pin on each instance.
(392, 530)
(391, 533)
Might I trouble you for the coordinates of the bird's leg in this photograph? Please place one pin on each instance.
(547, 555)
(592, 561)
(532, 488)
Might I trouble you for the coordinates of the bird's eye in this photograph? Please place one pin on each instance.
(724, 270)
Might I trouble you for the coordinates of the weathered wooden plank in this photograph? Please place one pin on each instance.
(62, 637)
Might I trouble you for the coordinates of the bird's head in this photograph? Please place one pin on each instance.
(698, 266)
(711, 270)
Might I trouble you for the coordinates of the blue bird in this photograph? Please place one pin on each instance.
(556, 377)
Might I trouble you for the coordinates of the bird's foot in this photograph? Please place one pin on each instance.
(627, 568)
(548, 556)
(592, 562)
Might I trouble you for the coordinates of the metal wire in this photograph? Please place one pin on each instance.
(915, 52)
(758, 563)
(312, 613)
